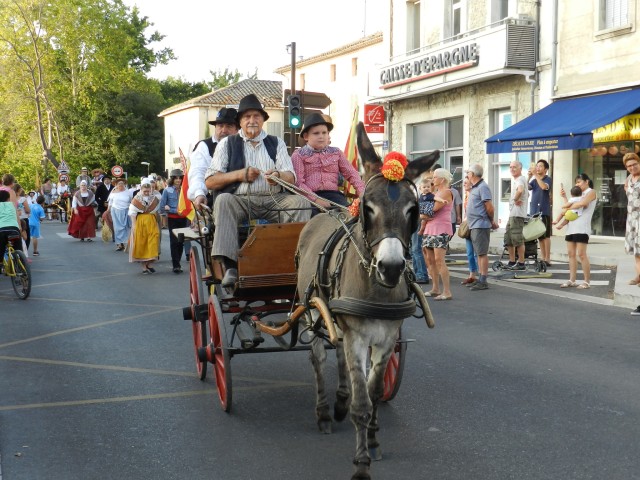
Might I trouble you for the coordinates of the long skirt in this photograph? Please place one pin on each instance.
(83, 225)
(121, 224)
(144, 239)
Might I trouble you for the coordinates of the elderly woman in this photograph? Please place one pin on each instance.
(83, 220)
(631, 162)
(437, 234)
(145, 234)
(118, 211)
(578, 232)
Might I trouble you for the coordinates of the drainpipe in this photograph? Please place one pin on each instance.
(554, 48)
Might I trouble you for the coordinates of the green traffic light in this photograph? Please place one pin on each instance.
(294, 122)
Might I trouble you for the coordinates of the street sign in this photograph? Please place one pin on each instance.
(63, 167)
(63, 176)
(310, 99)
(374, 128)
(117, 171)
(373, 114)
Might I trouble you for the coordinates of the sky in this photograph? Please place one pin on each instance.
(244, 34)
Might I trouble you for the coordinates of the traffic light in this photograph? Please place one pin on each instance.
(295, 111)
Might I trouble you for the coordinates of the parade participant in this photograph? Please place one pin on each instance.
(9, 221)
(578, 232)
(37, 215)
(318, 165)
(118, 210)
(98, 175)
(145, 234)
(45, 191)
(540, 186)
(225, 124)
(84, 175)
(169, 205)
(103, 190)
(240, 174)
(83, 221)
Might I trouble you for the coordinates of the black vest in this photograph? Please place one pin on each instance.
(211, 145)
(235, 149)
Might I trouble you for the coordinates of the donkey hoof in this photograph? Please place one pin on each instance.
(340, 410)
(375, 453)
(361, 474)
(325, 426)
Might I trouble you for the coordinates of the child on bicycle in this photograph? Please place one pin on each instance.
(37, 215)
(9, 221)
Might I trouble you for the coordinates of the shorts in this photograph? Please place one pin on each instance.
(513, 233)
(480, 240)
(577, 238)
(436, 241)
(546, 219)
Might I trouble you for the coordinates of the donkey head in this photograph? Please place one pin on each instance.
(389, 215)
(372, 163)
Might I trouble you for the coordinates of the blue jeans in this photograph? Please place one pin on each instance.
(419, 265)
(471, 257)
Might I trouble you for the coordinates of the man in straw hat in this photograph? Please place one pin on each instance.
(225, 124)
(240, 175)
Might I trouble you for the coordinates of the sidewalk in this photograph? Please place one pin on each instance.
(607, 251)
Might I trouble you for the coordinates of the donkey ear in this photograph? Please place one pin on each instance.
(371, 161)
(420, 165)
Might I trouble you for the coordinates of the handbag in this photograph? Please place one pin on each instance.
(107, 234)
(463, 230)
(534, 229)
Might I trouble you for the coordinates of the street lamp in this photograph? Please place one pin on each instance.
(147, 164)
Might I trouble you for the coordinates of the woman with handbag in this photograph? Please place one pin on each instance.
(471, 254)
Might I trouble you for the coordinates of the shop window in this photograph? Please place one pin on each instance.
(455, 18)
(499, 10)
(413, 25)
(613, 14)
(505, 189)
(444, 135)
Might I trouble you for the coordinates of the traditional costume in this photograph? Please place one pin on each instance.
(83, 223)
(145, 234)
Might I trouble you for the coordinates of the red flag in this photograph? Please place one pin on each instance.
(351, 150)
(185, 207)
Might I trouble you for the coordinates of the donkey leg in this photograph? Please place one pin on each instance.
(318, 357)
(343, 394)
(356, 356)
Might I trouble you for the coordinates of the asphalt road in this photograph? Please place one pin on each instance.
(97, 381)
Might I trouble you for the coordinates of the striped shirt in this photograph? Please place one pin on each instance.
(255, 155)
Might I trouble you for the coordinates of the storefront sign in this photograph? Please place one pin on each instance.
(437, 63)
(625, 128)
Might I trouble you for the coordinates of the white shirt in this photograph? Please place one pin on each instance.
(119, 200)
(199, 162)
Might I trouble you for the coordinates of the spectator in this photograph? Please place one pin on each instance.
(240, 172)
(9, 220)
(37, 215)
(569, 214)
(145, 234)
(578, 232)
(517, 215)
(540, 187)
(417, 257)
(7, 185)
(480, 211)
(471, 254)
(24, 210)
(437, 234)
(631, 162)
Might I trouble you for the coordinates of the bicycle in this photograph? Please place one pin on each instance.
(15, 265)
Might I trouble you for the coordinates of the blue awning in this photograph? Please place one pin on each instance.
(565, 124)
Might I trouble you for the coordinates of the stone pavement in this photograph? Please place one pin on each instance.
(602, 251)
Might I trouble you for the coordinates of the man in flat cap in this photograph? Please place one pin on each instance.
(240, 174)
(225, 124)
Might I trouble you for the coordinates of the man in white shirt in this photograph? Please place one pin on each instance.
(518, 202)
(225, 124)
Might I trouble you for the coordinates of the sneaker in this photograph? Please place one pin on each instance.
(519, 266)
(636, 312)
(480, 286)
(177, 270)
(469, 285)
(510, 265)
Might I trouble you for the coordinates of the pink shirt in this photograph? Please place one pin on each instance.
(441, 222)
(318, 170)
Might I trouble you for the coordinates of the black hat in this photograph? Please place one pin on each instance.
(313, 120)
(225, 115)
(251, 102)
(176, 172)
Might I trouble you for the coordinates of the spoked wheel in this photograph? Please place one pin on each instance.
(197, 298)
(219, 355)
(22, 280)
(395, 369)
(497, 266)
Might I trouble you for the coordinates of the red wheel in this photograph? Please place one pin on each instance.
(395, 368)
(196, 293)
(219, 355)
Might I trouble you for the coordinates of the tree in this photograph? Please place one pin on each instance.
(224, 79)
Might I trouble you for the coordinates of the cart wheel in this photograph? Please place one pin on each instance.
(395, 369)
(197, 298)
(497, 266)
(219, 353)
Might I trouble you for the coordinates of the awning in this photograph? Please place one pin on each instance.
(565, 124)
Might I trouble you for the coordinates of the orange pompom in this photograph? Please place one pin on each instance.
(354, 208)
(392, 170)
(397, 156)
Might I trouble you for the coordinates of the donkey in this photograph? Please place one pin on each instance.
(364, 282)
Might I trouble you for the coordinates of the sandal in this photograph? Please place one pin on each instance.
(568, 284)
(634, 281)
(467, 281)
(444, 297)
(432, 294)
(584, 286)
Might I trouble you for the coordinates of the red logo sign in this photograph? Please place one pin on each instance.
(374, 128)
(373, 114)
(117, 171)
(63, 176)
